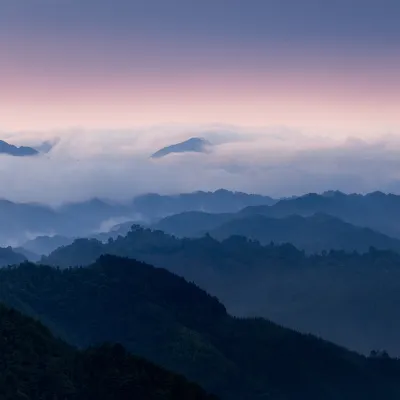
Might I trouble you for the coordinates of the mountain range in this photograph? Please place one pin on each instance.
(35, 365)
(22, 222)
(326, 266)
(348, 298)
(377, 210)
(162, 317)
(314, 233)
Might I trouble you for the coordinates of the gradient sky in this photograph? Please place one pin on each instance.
(325, 66)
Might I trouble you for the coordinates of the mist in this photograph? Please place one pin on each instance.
(116, 165)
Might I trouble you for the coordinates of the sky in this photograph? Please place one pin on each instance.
(147, 72)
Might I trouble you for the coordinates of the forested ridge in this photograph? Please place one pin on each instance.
(35, 365)
(349, 298)
(162, 317)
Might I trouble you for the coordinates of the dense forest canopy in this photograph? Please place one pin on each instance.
(35, 365)
(174, 323)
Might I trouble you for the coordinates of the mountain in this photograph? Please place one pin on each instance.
(11, 150)
(192, 223)
(18, 220)
(88, 216)
(29, 255)
(44, 245)
(9, 257)
(348, 298)
(164, 318)
(376, 210)
(313, 234)
(155, 206)
(22, 222)
(192, 145)
(36, 366)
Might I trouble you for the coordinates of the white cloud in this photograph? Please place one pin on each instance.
(275, 161)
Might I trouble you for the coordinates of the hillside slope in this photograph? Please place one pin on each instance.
(348, 298)
(162, 317)
(36, 366)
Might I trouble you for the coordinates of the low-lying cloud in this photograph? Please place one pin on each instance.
(275, 161)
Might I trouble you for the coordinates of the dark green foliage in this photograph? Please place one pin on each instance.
(160, 316)
(36, 366)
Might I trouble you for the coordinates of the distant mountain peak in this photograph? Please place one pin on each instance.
(11, 150)
(192, 145)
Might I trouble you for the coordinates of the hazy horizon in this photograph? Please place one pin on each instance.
(297, 96)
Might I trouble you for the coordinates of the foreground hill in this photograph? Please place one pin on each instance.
(162, 317)
(313, 234)
(36, 366)
(348, 298)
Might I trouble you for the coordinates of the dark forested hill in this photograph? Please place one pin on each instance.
(162, 317)
(36, 366)
(349, 298)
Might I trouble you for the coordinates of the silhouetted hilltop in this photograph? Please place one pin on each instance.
(192, 145)
(11, 150)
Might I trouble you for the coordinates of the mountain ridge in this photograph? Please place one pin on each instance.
(192, 145)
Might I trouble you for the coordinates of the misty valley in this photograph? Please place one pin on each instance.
(199, 200)
(237, 295)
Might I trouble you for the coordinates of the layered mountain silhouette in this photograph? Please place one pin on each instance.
(35, 365)
(22, 222)
(192, 145)
(155, 206)
(164, 318)
(11, 150)
(313, 234)
(377, 210)
(10, 257)
(349, 298)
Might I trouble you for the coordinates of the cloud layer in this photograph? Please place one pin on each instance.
(275, 161)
